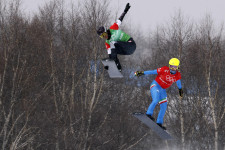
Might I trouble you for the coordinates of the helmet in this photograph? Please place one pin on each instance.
(174, 62)
(101, 30)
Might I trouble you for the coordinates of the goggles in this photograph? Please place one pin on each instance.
(103, 34)
(172, 67)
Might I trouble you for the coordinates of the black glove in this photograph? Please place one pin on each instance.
(127, 8)
(181, 92)
(139, 73)
(125, 11)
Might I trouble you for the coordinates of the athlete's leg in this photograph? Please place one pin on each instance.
(162, 112)
(163, 106)
(113, 55)
(154, 89)
(125, 48)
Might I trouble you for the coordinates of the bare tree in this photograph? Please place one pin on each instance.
(15, 132)
(211, 49)
(55, 94)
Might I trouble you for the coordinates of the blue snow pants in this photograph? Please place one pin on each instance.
(158, 96)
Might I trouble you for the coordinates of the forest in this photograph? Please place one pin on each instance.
(55, 93)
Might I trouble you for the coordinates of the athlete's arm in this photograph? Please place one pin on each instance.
(151, 72)
(124, 12)
(108, 48)
(180, 88)
(140, 73)
(179, 84)
(116, 25)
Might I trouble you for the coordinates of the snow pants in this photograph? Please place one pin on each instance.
(122, 48)
(158, 96)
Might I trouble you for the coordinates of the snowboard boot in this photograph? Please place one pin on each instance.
(118, 64)
(119, 67)
(106, 67)
(159, 124)
(149, 116)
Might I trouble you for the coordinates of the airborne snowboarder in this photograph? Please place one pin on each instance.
(166, 76)
(117, 41)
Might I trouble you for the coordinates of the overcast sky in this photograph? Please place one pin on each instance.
(149, 13)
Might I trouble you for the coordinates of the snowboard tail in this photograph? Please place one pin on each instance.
(163, 134)
(112, 68)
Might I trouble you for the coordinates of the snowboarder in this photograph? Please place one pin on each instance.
(166, 76)
(117, 41)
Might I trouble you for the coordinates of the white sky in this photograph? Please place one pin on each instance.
(149, 13)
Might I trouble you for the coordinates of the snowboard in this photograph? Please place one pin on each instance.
(112, 68)
(163, 134)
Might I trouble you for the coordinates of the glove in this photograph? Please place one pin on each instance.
(127, 8)
(181, 92)
(139, 73)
